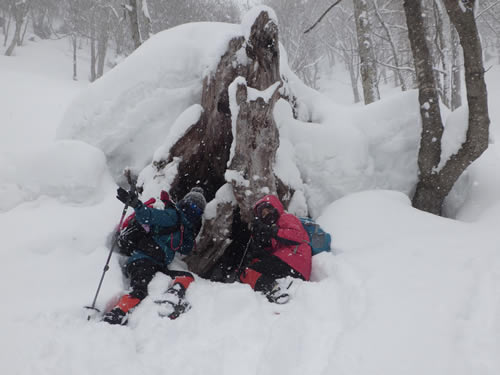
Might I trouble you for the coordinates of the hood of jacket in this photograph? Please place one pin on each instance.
(273, 200)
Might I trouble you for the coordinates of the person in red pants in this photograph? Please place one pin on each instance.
(151, 240)
(280, 248)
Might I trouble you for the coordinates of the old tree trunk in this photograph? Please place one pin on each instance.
(237, 100)
(435, 184)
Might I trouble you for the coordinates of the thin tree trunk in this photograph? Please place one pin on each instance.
(6, 31)
(426, 197)
(477, 136)
(397, 72)
(74, 42)
(20, 10)
(147, 18)
(93, 56)
(498, 48)
(456, 77)
(368, 64)
(21, 41)
(102, 46)
(352, 75)
(443, 77)
(134, 23)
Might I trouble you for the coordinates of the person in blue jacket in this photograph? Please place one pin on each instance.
(162, 233)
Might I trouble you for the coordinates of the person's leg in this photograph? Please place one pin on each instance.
(263, 272)
(181, 281)
(172, 303)
(140, 272)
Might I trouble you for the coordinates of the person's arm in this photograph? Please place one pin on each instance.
(153, 216)
(290, 231)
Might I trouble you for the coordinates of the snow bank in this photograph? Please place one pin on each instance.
(340, 150)
(405, 294)
(71, 171)
(129, 111)
(424, 282)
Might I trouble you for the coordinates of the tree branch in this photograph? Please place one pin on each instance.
(486, 9)
(322, 16)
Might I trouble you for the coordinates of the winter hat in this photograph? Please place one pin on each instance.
(195, 196)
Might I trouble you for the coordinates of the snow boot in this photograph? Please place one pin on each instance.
(278, 293)
(119, 314)
(173, 302)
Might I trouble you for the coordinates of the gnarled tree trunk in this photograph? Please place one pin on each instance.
(238, 100)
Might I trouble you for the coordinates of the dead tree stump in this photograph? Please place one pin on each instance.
(251, 68)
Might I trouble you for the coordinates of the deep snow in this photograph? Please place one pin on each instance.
(403, 292)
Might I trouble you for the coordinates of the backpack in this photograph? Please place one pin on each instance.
(132, 233)
(319, 240)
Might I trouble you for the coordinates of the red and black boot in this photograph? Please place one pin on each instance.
(173, 302)
(119, 313)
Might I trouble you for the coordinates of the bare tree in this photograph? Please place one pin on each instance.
(399, 79)
(133, 16)
(368, 65)
(20, 8)
(456, 77)
(434, 182)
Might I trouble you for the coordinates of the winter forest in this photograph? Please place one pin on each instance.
(376, 119)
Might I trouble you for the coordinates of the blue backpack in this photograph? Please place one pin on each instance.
(319, 240)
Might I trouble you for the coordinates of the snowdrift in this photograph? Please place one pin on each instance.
(132, 112)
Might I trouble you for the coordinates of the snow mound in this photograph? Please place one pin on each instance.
(129, 111)
(71, 171)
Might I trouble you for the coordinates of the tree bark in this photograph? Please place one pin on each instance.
(456, 77)
(442, 77)
(148, 25)
(20, 10)
(426, 197)
(93, 55)
(434, 185)
(134, 23)
(75, 73)
(233, 104)
(102, 44)
(6, 30)
(368, 65)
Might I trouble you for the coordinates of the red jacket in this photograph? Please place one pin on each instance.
(289, 227)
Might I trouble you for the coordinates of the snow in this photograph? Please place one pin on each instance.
(403, 291)
(234, 107)
(132, 108)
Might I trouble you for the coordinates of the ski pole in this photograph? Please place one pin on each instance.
(241, 261)
(106, 266)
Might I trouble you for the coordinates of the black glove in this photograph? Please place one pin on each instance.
(262, 233)
(127, 197)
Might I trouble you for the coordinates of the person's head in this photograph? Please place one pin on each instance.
(193, 204)
(268, 209)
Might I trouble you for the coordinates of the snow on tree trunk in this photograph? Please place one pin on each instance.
(368, 65)
(236, 171)
(434, 183)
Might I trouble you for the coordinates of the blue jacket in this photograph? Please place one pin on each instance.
(169, 243)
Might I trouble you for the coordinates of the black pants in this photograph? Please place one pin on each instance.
(142, 271)
(270, 268)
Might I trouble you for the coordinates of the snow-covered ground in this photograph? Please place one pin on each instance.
(403, 292)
